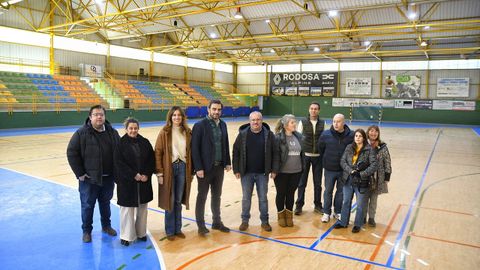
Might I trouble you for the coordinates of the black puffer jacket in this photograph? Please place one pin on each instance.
(331, 146)
(281, 151)
(84, 152)
(126, 167)
(367, 157)
(239, 162)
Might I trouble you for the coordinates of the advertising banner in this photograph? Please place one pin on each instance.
(402, 86)
(358, 86)
(426, 104)
(304, 84)
(452, 87)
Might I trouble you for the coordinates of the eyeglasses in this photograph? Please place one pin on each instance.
(98, 114)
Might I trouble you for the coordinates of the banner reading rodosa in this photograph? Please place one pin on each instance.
(402, 86)
(304, 84)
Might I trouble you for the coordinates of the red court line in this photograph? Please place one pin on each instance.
(384, 236)
(444, 240)
(183, 266)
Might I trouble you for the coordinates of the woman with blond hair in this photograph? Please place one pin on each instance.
(174, 170)
(380, 178)
(134, 166)
(287, 167)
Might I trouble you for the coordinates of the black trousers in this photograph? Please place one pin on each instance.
(212, 179)
(286, 184)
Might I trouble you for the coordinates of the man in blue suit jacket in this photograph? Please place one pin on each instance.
(210, 155)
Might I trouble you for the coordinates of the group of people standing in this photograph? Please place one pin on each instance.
(356, 162)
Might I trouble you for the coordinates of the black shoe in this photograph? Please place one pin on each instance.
(202, 231)
(124, 242)
(87, 237)
(144, 239)
(371, 222)
(220, 227)
(318, 209)
(298, 211)
(339, 226)
(110, 231)
(355, 229)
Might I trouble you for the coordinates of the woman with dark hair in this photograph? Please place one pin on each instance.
(174, 170)
(380, 178)
(287, 167)
(134, 166)
(358, 163)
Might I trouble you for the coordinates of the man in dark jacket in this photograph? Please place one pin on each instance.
(210, 155)
(252, 162)
(331, 146)
(90, 155)
(311, 128)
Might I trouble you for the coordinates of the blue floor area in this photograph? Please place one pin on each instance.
(41, 229)
(477, 130)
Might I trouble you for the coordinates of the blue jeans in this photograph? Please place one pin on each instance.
(89, 194)
(332, 177)
(316, 164)
(348, 191)
(261, 181)
(173, 218)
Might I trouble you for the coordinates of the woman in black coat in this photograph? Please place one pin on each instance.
(134, 166)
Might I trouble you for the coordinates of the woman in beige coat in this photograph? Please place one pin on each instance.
(174, 170)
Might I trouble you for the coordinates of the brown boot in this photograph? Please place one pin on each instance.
(289, 218)
(281, 219)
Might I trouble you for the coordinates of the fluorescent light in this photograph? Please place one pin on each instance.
(238, 14)
(267, 21)
(412, 15)
(316, 49)
(213, 35)
(333, 13)
(426, 27)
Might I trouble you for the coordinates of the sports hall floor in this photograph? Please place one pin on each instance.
(429, 220)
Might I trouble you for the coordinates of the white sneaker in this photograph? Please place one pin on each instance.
(325, 218)
(337, 216)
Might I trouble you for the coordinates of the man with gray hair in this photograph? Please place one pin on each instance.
(331, 145)
(252, 162)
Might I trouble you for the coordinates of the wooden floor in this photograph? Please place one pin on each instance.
(429, 220)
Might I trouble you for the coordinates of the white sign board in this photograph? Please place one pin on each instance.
(358, 86)
(452, 87)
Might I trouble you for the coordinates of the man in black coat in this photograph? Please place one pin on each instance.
(90, 155)
(211, 156)
(331, 146)
(252, 162)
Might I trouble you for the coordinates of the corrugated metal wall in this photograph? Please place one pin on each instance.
(223, 77)
(10, 50)
(251, 83)
(73, 59)
(200, 75)
(127, 66)
(171, 71)
(254, 83)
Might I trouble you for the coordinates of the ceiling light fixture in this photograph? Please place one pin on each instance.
(213, 35)
(272, 50)
(424, 44)
(366, 43)
(332, 13)
(316, 49)
(412, 15)
(238, 14)
(267, 21)
(426, 27)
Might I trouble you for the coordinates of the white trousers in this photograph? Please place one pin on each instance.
(133, 222)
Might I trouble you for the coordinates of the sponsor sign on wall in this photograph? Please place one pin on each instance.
(402, 86)
(304, 84)
(455, 105)
(426, 104)
(452, 87)
(93, 71)
(404, 104)
(358, 86)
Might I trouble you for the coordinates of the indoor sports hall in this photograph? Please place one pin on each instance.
(410, 67)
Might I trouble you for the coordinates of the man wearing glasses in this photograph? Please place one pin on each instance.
(90, 155)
